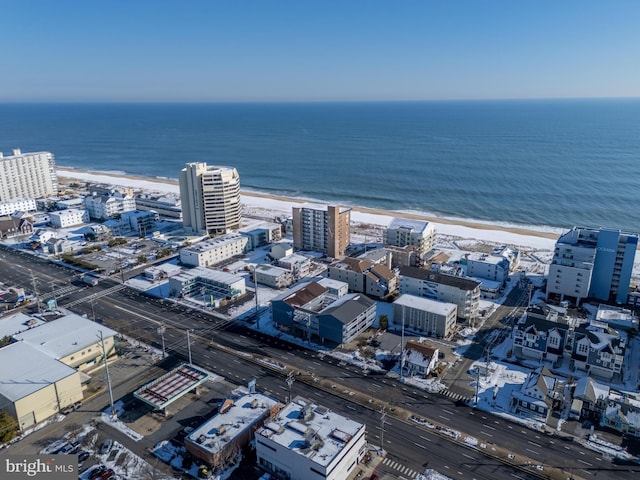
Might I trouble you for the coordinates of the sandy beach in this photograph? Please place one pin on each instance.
(462, 228)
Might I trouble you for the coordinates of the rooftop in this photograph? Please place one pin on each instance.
(312, 431)
(408, 224)
(441, 278)
(164, 390)
(208, 274)
(217, 242)
(439, 308)
(234, 417)
(16, 323)
(64, 336)
(31, 370)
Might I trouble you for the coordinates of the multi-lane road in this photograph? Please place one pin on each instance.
(230, 350)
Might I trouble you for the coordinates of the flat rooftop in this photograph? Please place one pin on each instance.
(425, 304)
(64, 336)
(11, 325)
(234, 417)
(166, 389)
(311, 430)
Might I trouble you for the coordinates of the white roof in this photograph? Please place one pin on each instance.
(294, 258)
(223, 428)
(417, 225)
(30, 370)
(484, 258)
(301, 420)
(439, 308)
(331, 284)
(224, 278)
(16, 323)
(271, 270)
(218, 242)
(65, 335)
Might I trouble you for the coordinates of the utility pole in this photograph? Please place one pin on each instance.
(290, 380)
(203, 290)
(255, 284)
(189, 346)
(402, 347)
(161, 330)
(383, 418)
(35, 290)
(477, 382)
(106, 370)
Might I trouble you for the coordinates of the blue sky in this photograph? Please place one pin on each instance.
(139, 50)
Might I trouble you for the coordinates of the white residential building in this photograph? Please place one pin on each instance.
(27, 175)
(489, 267)
(210, 197)
(17, 205)
(298, 265)
(307, 441)
(424, 316)
(214, 250)
(103, 207)
(402, 232)
(68, 218)
(274, 277)
(463, 292)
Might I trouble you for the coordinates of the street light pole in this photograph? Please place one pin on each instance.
(290, 380)
(161, 330)
(189, 346)
(106, 370)
(383, 417)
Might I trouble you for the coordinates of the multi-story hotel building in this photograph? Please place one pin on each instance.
(592, 263)
(327, 231)
(27, 175)
(210, 198)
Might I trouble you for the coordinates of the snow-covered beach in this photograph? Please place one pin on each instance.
(267, 205)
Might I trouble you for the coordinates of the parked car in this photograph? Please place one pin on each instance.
(106, 446)
(83, 455)
(107, 474)
(97, 472)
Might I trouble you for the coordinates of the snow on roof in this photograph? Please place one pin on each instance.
(271, 270)
(424, 304)
(238, 416)
(486, 283)
(312, 431)
(65, 335)
(31, 370)
(16, 323)
(417, 225)
(331, 284)
(484, 258)
(213, 243)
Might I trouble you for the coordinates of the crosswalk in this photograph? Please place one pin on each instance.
(400, 468)
(454, 396)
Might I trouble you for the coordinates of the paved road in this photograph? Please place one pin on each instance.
(140, 316)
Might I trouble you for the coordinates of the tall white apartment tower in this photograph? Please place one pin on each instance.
(27, 175)
(210, 198)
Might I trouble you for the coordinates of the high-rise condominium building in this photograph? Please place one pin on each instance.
(592, 263)
(327, 231)
(27, 175)
(210, 198)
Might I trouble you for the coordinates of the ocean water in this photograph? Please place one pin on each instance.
(555, 163)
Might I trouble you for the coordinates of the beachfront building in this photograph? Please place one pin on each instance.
(592, 263)
(424, 316)
(312, 310)
(463, 292)
(374, 279)
(165, 206)
(274, 277)
(210, 197)
(27, 175)
(10, 207)
(280, 250)
(487, 267)
(308, 441)
(68, 218)
(210, 286)
(214, 250)
(104, 207)
(319, 230)
(403, 232)
(219, 440)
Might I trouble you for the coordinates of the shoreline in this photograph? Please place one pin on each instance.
(77, 174)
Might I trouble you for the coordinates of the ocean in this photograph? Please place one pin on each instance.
(530, 163)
